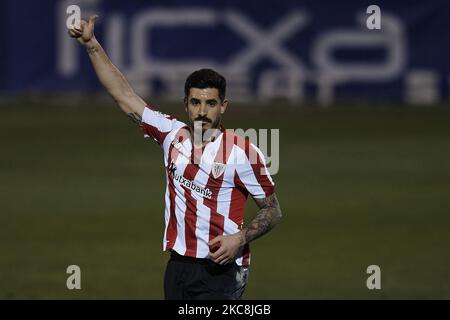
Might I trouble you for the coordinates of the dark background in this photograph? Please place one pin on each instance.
(364, 178)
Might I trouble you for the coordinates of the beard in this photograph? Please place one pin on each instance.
(204, 126)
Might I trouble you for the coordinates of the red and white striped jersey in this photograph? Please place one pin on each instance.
(206, 187)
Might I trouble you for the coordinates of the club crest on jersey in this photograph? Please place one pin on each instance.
(217, 169)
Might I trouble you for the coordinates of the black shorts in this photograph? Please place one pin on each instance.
(189, 278)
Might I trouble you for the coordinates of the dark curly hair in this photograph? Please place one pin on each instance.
(206, 78)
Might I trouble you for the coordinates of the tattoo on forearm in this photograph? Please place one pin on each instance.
(266, 219)
(92, 50)
(136, 118)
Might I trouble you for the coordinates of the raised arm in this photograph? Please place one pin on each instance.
(108, 74)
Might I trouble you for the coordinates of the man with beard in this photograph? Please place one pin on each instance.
(209, 172)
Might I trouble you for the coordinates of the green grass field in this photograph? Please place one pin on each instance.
(358, 186)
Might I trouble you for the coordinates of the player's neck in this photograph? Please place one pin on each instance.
(200, 138)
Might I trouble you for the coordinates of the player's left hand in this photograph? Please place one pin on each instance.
(85, 32)
(228, 249)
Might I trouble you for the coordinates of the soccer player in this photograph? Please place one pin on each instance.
(209, 172)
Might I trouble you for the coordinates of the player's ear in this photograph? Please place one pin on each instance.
(185, 102)
(223, 106)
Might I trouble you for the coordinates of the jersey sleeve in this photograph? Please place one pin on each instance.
(253, 173)
(157, 125)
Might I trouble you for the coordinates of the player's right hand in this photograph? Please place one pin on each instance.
(85, 32)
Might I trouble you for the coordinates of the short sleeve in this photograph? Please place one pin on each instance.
(158, 125)
(253, 173)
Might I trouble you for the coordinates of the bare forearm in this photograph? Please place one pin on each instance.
(110, 76)
(268, 216)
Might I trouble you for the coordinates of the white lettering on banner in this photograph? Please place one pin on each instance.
(145, 21)
(287, 80)
(281, 84)
(422, 87)
(331, 73)
(115, 24)
(265, 43)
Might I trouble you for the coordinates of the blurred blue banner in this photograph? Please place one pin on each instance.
(317, 50)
